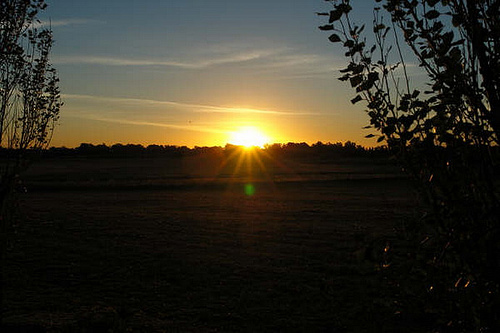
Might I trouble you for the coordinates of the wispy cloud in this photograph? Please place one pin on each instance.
(282, 60)
(298, 66)
(62, 22)
(282, 66)
(262, 57)
(203, 129)
(190, 106)
(193, 64)
(114, 61)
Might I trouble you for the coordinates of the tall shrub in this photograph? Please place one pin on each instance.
(446, 135)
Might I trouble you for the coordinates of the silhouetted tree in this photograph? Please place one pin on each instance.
(446, 137)
(29, 92)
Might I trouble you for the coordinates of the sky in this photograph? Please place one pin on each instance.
(193, 72)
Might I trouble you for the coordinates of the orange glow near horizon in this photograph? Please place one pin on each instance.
(249, 137)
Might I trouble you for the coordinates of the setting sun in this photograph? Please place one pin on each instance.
(248, 137)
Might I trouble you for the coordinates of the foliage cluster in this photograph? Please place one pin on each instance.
(445, 138)
(30, 97)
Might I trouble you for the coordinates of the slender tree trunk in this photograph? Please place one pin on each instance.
(3, 248)
(7, 182)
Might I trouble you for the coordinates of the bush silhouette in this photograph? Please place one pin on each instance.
(446, 137)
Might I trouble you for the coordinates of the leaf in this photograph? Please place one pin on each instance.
(357, 69)
(373, 76)
(378, 27)
(326, 27)
(344, 7)
(334, 38)
(356, 80)
(335, 15)
(356, 99)
(389, 130)
(456, 20)
(381, 138)
(354, 68)
(369, 136)
(432, 14)
(344, 77)
(349, 43)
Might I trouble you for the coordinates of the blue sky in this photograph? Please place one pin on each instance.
(190, 72)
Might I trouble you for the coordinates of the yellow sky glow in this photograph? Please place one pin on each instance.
(249, 137)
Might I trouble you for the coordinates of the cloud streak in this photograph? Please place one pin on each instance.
(194, 128)
(190, 106)
(62, 23)
(266, 59)
(195, 64)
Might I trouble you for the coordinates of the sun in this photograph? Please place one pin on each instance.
(248, 137)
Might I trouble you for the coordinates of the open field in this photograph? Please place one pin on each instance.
(152, 245)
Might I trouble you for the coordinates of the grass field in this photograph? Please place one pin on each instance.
(153, 245)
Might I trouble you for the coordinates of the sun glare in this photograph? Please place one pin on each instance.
(249, 137)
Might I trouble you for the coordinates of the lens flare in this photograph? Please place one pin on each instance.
(249, 189)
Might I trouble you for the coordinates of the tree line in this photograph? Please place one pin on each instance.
(318, 150)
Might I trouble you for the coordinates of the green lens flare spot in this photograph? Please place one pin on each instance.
(249, 189)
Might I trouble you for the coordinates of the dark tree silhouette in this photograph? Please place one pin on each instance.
(29, 94)
(445, 136)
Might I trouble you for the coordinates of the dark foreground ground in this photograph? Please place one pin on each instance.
(177, 246)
